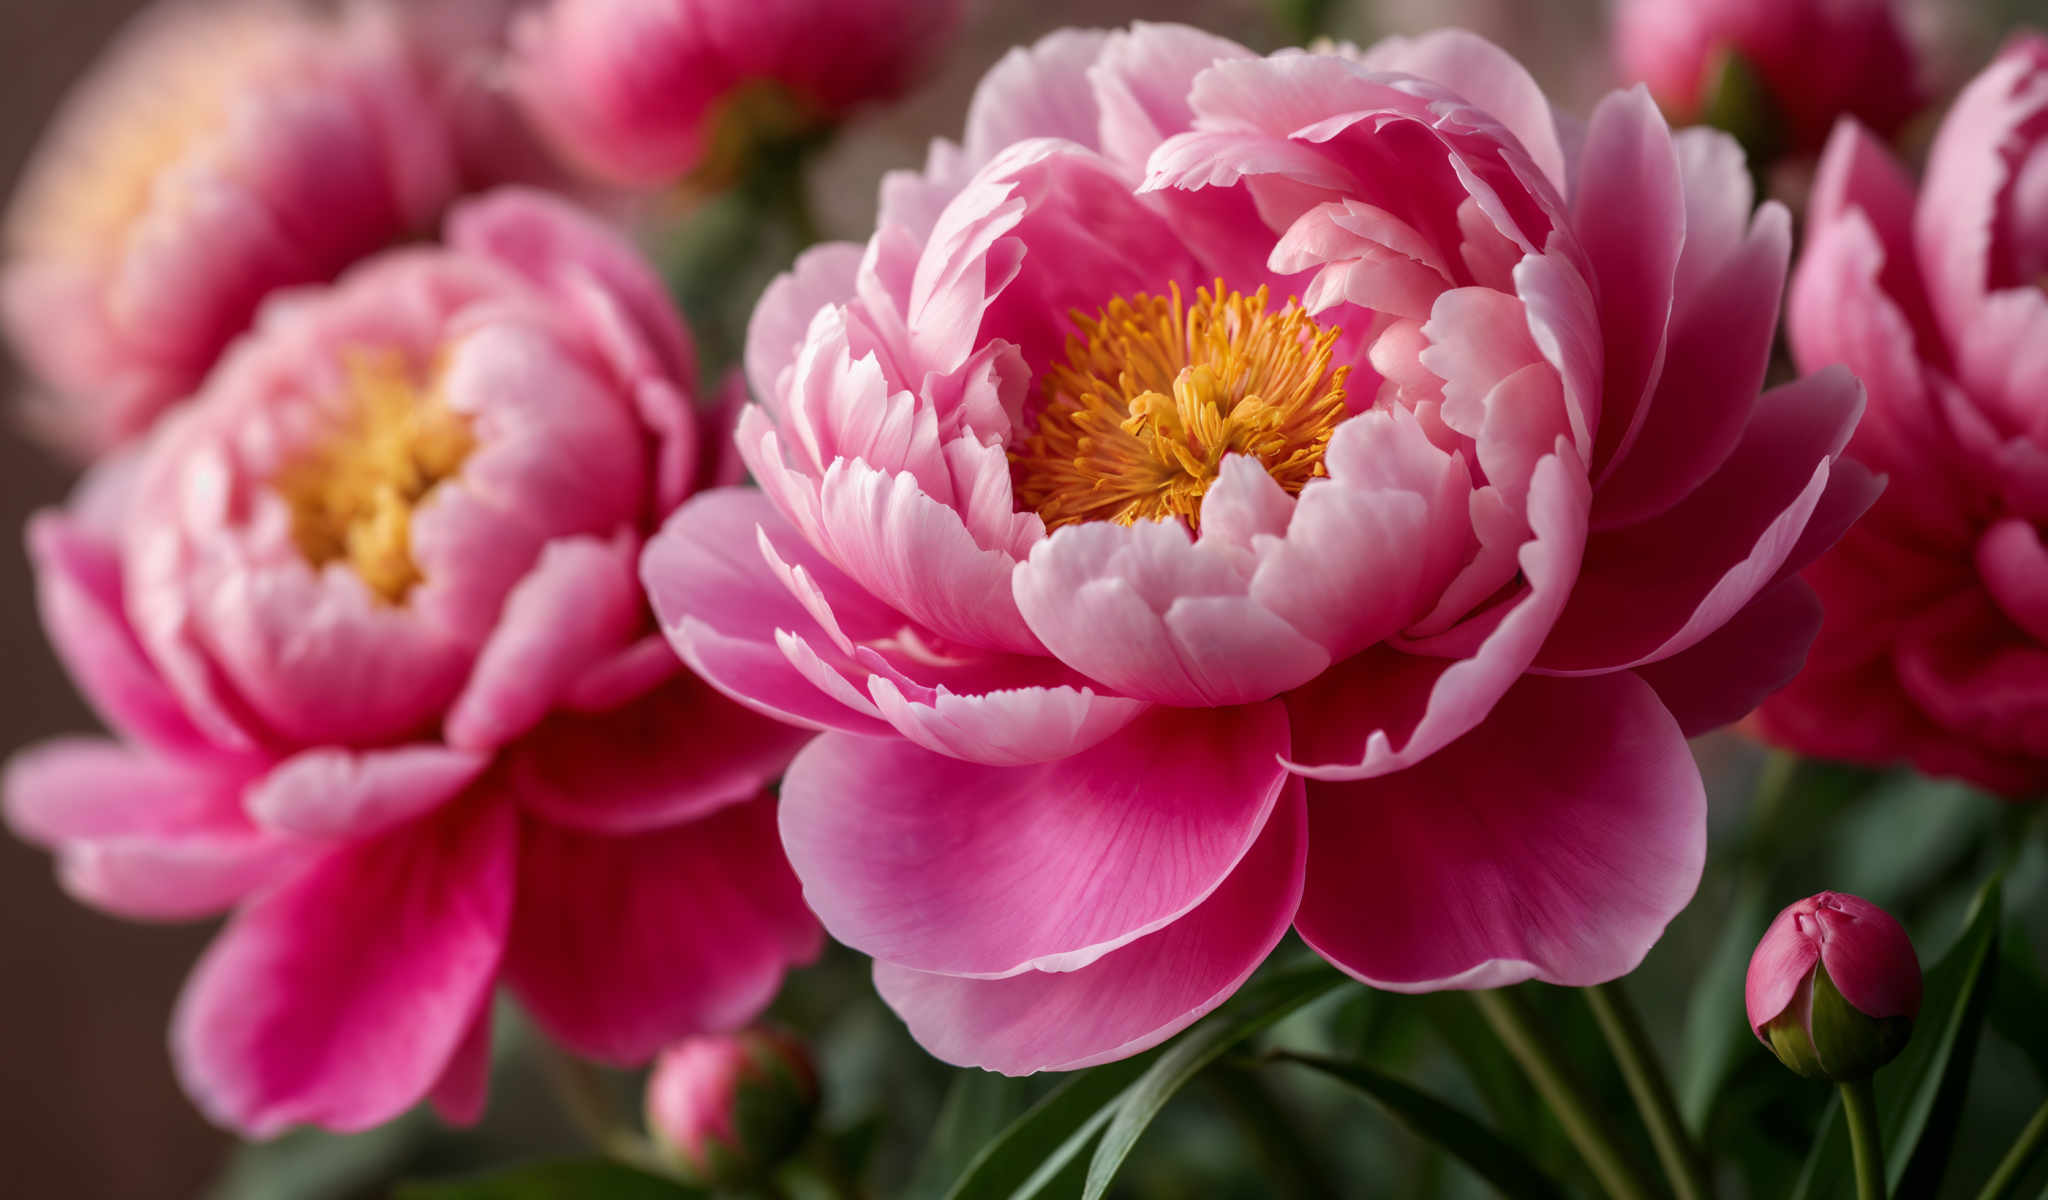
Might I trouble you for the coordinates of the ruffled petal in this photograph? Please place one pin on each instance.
(1553, 842)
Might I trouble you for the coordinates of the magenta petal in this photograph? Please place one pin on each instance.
(85, 788)
(459, 1095)
(1776, 970)
(1735, 668)
(579, 602)
(1491, 79)
(941, 865)
(1553, 842)
(339, 999)
(178, 877)
(334, 792)
(1863, 948)
(1131, 998)
(624, 944)
(675, 754)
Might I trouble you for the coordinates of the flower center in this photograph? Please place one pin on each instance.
(1155, 392)
(352, 496)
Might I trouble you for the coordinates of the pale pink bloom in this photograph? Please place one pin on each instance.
(222, 151)
(641, 91)
(1866, 952)
(1419, 683)
(363, 617)
(1819, 59)
(1935, 648)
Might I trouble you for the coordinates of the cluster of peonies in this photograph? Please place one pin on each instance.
(1226, 494)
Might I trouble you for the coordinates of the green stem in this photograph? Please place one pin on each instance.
(1566, 1094)
(1683, 1165)
(2031, 1141)
(594, 1110)
(1859, 1108)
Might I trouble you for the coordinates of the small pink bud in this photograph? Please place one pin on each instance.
(726, 1108)
(1833, 987)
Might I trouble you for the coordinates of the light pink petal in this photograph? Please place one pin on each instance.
(1036, 91)
(1720, 344)
(673, 755)
(1554, 842)
(624, 944)
(459, 1095)
(1653, 589)
(578, 603)
(1381, 711)
(1150, 612)
(339, 999)
(1128, 1000)
(1719, 197)
(1491, 78)
(1628, 209)
(821, 276)
(1760, 649)
(1141, 81)
(1007, 727)
(336, 792)
(940, 865)
(72, 788)
(722, 606)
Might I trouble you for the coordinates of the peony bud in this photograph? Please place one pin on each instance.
(1833, 987)
(726, 1108)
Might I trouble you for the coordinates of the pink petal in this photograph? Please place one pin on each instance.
(339, 999)
(1859, 174)
(1554, 842)
(336, 792)
(1866, 952)
(578, 603)
(940, 865)
(1128, 1000)
(182, 876)
(622, 945)
(2014, 567)
(1036, 91)
(1725, 676)
(1653, 589)
(1381, 711)
(821, 276)
(73, 788)
(1628, 209)
(1776, 971)
(1141, 80)
(673, 755)
(1007, 727)
(459, 1095)
(1490, 78)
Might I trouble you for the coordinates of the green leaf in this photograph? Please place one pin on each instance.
(1920, 1096)
(1496, 1161)
(584, 1179)
(1052, 1133)
(1258, 1006)
(977, 1107)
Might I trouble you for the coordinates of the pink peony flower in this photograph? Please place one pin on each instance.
(1935, 648)
(221, 152)
(642, 91)
(1818, 59)
(1833, 987)
(363, 616)
(1150, 611)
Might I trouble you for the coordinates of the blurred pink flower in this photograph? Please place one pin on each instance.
(1144, 607)
(1935, 648)
(364, 618)
(642, 91)
(1864, 956)
(724, 1109)
(1819, 59)
(223, 151)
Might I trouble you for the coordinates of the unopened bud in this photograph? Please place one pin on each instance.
(1833, 987)
(726, 1109)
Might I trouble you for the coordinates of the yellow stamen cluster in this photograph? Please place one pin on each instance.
(353, 495)
(1155, 392)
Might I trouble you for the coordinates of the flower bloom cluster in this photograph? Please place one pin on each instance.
(1816, 59)
(640, 92)
(363, 615)
(1936, 642)
(224, 151)
(1229, 493)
